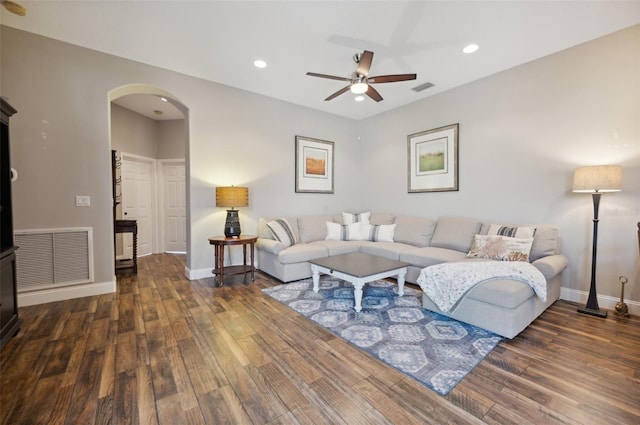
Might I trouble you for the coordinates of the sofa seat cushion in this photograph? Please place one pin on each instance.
(339, 247)
(302, 252)
(391, 250)
(503, 293)
(428, 256)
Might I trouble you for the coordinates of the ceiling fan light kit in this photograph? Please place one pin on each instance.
(360, 82)
(359, 87)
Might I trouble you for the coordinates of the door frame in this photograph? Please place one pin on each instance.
(153, 197)
(162, 221)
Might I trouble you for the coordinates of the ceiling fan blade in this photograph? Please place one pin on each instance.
(373, 94)
(331, 77)
(365, 63)
(391, 78)
(338, 93)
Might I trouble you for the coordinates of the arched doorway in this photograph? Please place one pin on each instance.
(148, 133)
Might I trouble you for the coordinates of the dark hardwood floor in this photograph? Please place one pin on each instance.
(163, 350)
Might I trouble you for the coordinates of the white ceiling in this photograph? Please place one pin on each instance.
(219, 40)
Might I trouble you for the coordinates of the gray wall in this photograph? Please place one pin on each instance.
(133, 133)
(136, 134)
(522, 134)
(61, 144)
(172, 143)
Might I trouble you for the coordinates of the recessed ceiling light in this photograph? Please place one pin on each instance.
(359, 98)
(259, 63)
(470, 48)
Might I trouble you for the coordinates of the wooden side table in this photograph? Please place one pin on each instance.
(219, 242)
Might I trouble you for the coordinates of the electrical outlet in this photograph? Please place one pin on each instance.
(83, 201)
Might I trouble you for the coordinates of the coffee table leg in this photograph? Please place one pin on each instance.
(401, 275)
(315, 274)
(357, 294)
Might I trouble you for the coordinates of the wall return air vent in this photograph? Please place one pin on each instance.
(50, 258)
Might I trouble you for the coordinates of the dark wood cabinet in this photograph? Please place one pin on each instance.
(9, 321)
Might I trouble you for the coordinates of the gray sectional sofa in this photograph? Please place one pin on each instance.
(503, 306)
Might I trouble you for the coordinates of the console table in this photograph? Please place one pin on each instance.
(219, 242)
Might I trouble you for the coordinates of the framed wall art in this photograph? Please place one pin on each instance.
(314, 165)
(432, 158)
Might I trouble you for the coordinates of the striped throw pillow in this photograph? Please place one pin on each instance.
(282, 231)
(512, 232)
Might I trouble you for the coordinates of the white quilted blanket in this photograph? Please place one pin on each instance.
(447, 283)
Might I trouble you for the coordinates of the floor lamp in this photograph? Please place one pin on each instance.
(232, 196)
(596, 180)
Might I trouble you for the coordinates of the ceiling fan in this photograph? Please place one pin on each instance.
(360, 82)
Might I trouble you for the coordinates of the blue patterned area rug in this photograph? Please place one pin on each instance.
(433, 349)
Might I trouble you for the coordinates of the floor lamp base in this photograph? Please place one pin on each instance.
(592, 312)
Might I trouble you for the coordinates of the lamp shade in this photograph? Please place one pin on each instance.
(232, 196)
(598, 178)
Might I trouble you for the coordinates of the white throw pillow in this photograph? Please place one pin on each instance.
(503, 248)
(348, 218)
(282, 231)
(378, 232)
(343, 232)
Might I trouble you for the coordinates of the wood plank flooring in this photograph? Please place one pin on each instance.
(164, 350)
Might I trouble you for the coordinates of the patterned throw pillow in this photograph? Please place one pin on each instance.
(512, 232)
(378, 232)
(343, 232)
(348, 218)
(282, 231)
(503, 248)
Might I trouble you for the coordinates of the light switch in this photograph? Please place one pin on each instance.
(83, 200)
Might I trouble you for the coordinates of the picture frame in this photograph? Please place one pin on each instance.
(314, 165)
(432, 160)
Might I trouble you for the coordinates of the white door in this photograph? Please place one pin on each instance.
(174, 209)
(137, 202)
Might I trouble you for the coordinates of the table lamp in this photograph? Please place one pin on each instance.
(596, 180)
(232, 196)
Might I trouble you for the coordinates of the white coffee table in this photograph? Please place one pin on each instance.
(358, 268)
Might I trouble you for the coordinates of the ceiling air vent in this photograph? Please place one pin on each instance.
(422, 87)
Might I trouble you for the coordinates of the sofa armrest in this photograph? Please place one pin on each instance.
(551, 265)
(270, 245)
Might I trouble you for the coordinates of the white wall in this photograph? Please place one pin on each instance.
(522, 134)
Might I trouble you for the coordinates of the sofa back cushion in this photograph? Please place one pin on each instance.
(545, 240)
(416, 231)
(313, 227)
(381, 218)
(455, 233)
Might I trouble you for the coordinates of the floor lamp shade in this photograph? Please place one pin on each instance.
(596, 180)
(232, 196)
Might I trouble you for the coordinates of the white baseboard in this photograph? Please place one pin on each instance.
(198, 273)
(605, 302)
(50, 295)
